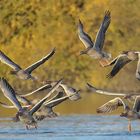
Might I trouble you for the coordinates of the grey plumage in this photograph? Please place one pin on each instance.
(120, 61)
(129, 96)
(24, 115)
(94, 50)
(26, 73)
(112, 105)
(130, 114)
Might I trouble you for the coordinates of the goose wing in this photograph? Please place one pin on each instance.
(23, 100)
(45, 87)
(119, 64)
(100, 91)
(51, 104)
(40, 62)
(100, 37)
(138, 68)
(9, 93)
(5, 59)
(136, 106)
(112, 62)
(84, 37)
(39, 104)
(11, 106)
(111, 105)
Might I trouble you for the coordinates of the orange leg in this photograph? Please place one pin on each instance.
(129, 126)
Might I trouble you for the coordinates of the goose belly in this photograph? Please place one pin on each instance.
(133, 116)
(94, 54)
(23, 75)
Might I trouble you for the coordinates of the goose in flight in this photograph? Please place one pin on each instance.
(130, 114)
(94, 49)
(129, 96)
(46, 109)
(72, 92)
(68, 90)
(121, 60)
(24, 115)
(24, 73)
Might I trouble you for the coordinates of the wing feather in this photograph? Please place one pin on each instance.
(9, 93)
(100, 37)
(136, 106)
(119, 64)
(40, 62)
(11, 106)
(39, 104)
(84, 37)
(5, 59)
(111, 105)
(138, 68)
(101, 91)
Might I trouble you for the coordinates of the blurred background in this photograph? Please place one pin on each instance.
(30, 29)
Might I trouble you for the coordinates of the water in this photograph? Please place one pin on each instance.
(75, 127)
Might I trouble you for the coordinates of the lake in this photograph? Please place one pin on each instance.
(73, 127)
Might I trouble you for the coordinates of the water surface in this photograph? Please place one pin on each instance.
(74, 127)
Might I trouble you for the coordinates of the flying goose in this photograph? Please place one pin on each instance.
(68, 90)
(121, 60)
(24, 115)
(72, 92)
(130, 114)
(94, 49)
(46, 109)
(129, 96)
(24, 73)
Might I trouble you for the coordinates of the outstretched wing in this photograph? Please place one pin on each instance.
(40, 62)
(101, 91)
(11, 106)
(23, 100)
(84, 37)
(111, 105)
(45, 87)
(138, 68)
(100, 37)
(39, 104)
(57, 96)
(9, 93)
(9, 62)
(119, 64)
(136, 106)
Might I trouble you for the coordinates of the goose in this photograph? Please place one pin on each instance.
(68, 90)
(24, 73)
(24, 115)
(130, 114)
(129, 96)
(47, 108)
(71, 91)
(121, 60)
(94, 49)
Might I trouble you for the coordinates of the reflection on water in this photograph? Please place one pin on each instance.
(78, 127)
